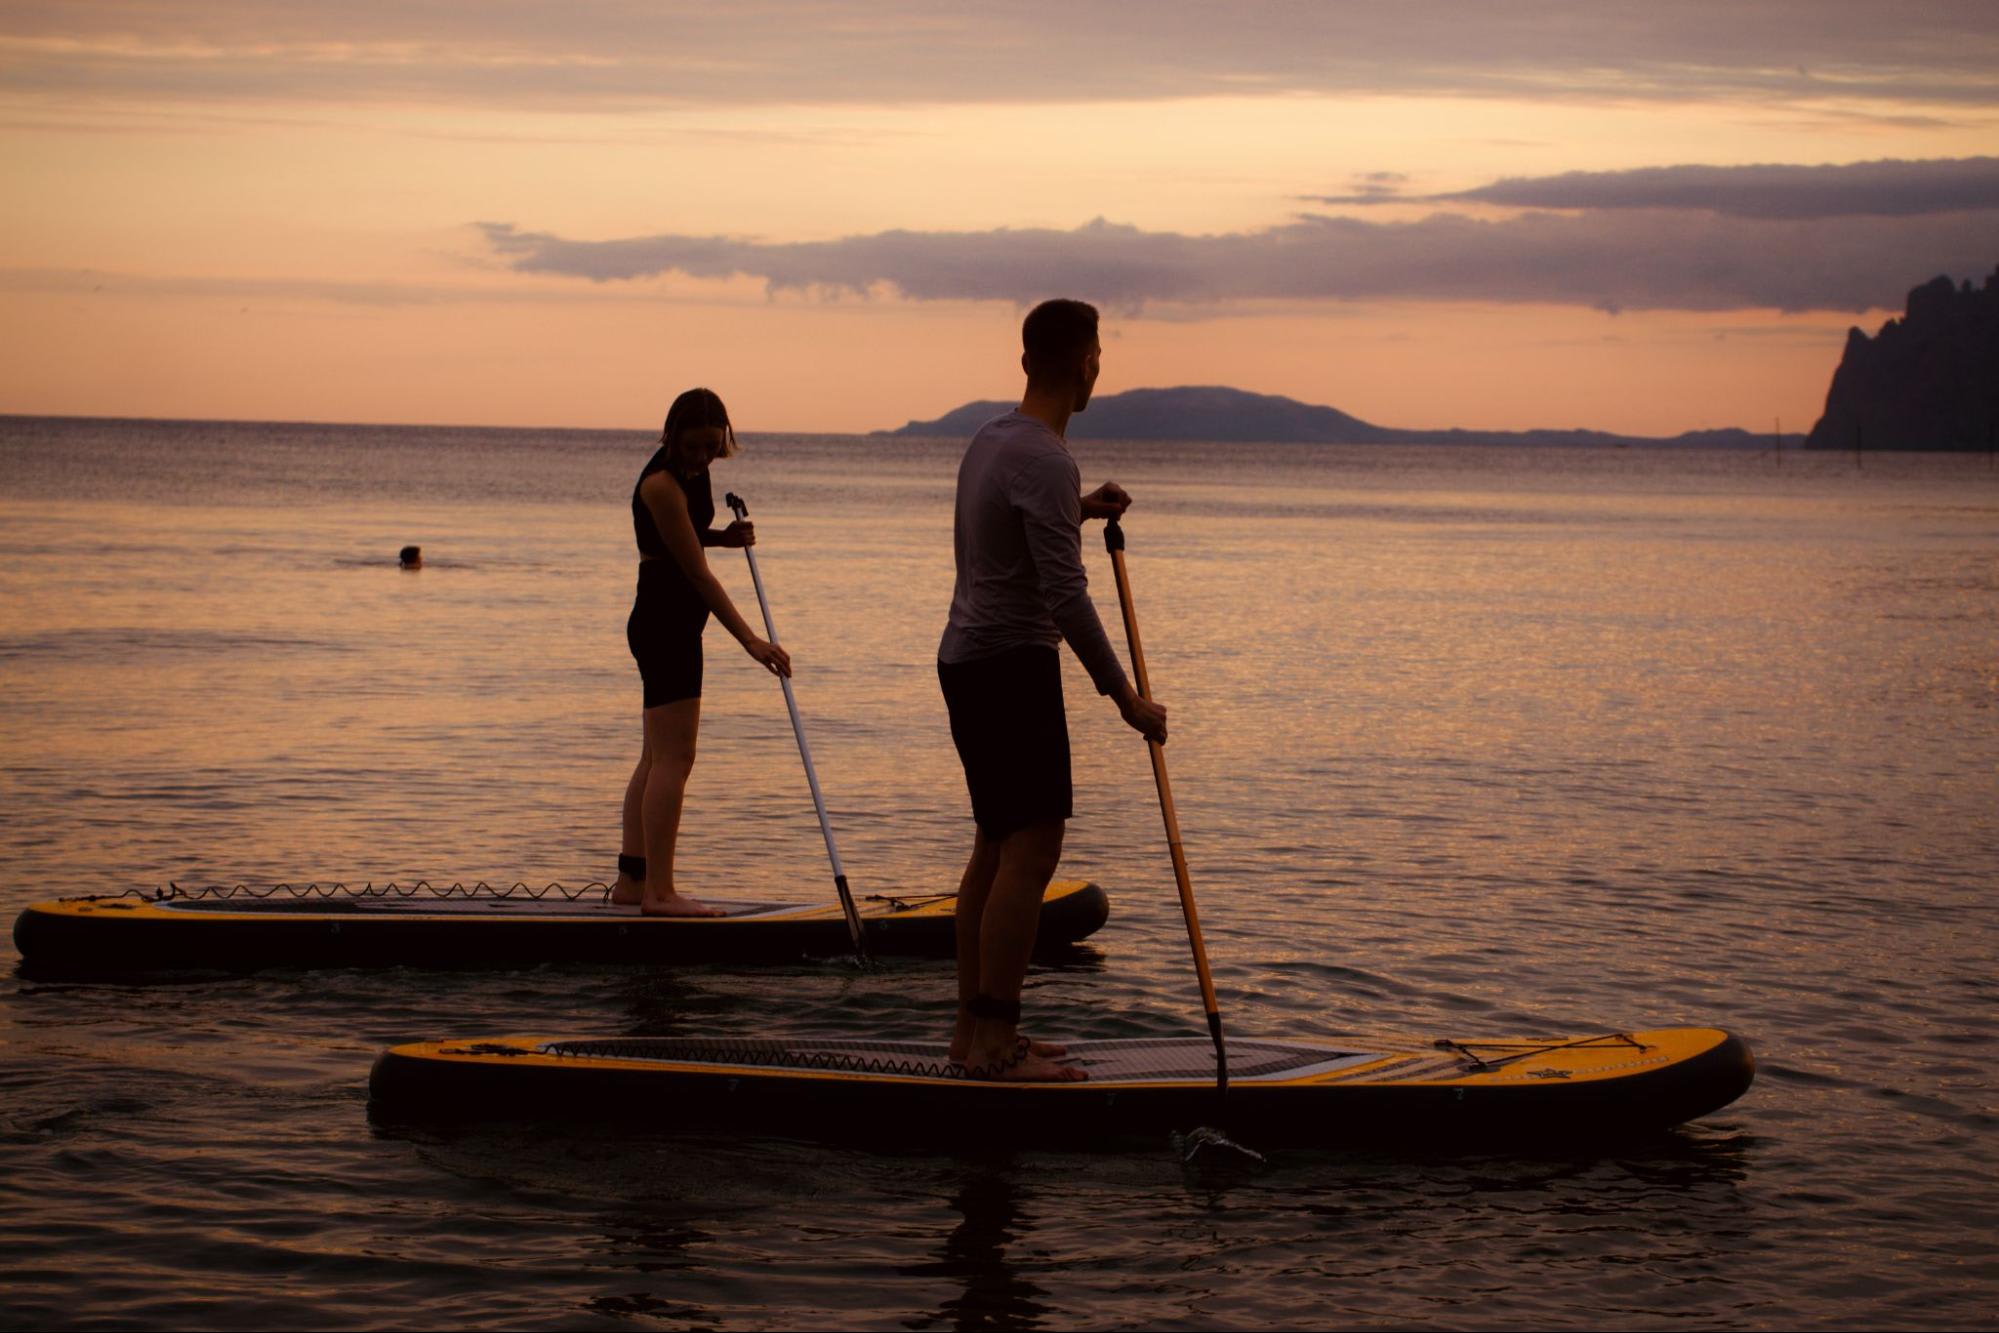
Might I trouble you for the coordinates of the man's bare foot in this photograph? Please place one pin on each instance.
(961, 1042)
(627, 891)
(1000, 1066)
(676, 904)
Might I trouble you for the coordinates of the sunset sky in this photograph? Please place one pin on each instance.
(1636, 217)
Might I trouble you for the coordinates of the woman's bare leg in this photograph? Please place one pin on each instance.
(632, 834)
(670, 732)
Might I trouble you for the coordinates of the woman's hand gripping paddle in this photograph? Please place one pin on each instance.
(1114, 543)
(742, 511)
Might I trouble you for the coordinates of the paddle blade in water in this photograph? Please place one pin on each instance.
(1209, 1148)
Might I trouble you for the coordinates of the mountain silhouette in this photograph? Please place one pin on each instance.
(1218, 414)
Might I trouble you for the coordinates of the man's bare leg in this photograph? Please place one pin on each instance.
(631, 832)
(973, 890)
(670, 732)
(1005, 940)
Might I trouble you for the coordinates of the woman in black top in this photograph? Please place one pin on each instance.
(672, 510)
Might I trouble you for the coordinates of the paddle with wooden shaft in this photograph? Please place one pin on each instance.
(742, 511)
(1114, 543)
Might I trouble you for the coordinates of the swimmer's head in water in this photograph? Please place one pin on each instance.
(697, 428)
(411, 557)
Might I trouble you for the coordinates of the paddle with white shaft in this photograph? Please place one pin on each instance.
(742, 511)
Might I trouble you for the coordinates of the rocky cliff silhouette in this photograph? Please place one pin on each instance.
(1929, 380)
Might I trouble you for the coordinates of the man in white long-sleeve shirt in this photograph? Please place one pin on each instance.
(1020, 593)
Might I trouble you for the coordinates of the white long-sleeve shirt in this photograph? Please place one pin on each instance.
(1018, 535)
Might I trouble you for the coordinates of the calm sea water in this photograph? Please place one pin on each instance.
(1465, 741)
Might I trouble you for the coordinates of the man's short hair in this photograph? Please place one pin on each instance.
(1056, 335)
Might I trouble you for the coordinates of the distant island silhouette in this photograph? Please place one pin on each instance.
(1929, 380)
(1237, 416)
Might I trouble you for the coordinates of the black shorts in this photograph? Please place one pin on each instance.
(1012, 737)
(664, 634)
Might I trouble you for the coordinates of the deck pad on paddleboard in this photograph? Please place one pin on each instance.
(581, 909)
(1129, 1061)
(449, 926)
(1446, 1093)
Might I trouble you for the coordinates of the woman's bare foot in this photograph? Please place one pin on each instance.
(676, 904)
(627, 891)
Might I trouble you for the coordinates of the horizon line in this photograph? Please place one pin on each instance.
(7, 415)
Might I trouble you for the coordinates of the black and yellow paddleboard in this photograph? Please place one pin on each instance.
(1308, 1093)
(443, 928)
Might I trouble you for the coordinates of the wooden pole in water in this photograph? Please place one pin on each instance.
(1114, 543)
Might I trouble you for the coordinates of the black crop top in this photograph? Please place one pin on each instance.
(700, 504)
